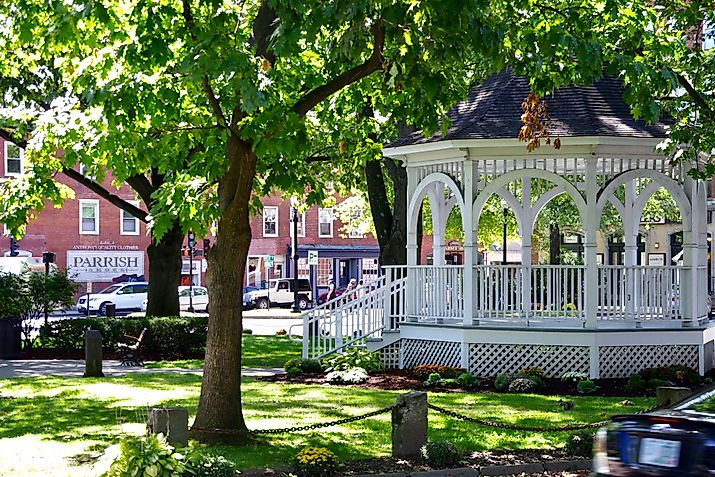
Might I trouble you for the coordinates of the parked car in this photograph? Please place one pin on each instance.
(125, 296)
(200, 299)
(248, 302)
(324, 297)
(679, 440)
(280, 293)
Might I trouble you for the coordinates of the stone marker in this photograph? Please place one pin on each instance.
(409, 424)
(173, 422)
(669, 395)
(93, 354)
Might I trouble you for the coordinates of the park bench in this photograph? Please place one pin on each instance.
(129, 351)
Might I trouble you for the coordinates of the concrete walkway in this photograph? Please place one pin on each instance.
(75, 368)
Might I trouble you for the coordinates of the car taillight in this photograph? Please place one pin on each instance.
(600, 452)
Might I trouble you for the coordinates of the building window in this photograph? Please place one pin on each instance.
(270, 221)
(13, 159)
(369, 270)
(325, 271)
(89, 217)
(129, 225)
(708, 35)
(301, 226)
(325, 222)
(355, 225)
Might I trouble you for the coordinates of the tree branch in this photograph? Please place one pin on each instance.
(263, 27)
(372, 64)
(8, 136)
(696, 97)
(208, 90)
(142, 187)
(104, 193)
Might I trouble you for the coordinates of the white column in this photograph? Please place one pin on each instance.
(439, 222)
(692, 298)
(470, 246)
(630, 239)
(591, 222)
(412, 217)
(527, 228)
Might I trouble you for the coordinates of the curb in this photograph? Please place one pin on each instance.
(491, 470)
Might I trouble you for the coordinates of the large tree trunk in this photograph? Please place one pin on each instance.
(220, 416)
(165, 273)
(554, 245)
(390, 219)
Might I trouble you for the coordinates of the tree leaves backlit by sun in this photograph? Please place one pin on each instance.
(536, 123)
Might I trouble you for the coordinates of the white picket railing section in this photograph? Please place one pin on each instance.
(352, 318)
(543, 292)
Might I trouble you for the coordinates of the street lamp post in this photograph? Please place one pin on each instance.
(294, 248)
(503, 260)
(192, 244)
(47, 259)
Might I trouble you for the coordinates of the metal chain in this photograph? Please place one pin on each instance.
(514, 427)
(296, 428)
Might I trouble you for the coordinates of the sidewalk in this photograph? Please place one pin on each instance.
(111, 368)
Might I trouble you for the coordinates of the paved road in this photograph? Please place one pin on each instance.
(22, 368)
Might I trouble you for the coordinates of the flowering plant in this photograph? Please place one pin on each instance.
(520, 385)
(315, 462)
(350, 376)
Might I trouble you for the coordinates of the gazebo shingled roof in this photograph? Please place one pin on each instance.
(493, 111)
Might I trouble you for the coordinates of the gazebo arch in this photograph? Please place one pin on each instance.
(420, 193)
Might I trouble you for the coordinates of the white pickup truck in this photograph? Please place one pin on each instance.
(280, 293)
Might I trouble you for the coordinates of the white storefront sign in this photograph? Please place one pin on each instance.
(103, 265)
(312, 257)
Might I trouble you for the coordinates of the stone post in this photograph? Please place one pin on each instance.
(93, 354)
(669, 395)
(172, 422)
(409, 425)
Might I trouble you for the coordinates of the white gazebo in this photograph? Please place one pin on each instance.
(603, 320)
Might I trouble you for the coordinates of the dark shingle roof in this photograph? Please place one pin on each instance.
(493, 111)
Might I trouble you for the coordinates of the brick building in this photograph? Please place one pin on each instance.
(343, 252)
(100, 243)
(91, 237)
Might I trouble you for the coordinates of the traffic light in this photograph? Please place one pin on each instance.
(207, 246)
(192, 239)
(13, 247)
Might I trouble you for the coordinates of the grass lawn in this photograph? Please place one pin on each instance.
(258, 352)
(50, 426)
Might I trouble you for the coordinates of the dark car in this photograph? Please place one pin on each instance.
(324, 297)
(679, 440)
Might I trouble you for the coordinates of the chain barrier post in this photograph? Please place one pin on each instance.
(409, 425)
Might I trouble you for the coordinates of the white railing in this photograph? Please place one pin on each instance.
(507, 292)
(351, 318)
(542, 292)
(639, 293)
(436, 293)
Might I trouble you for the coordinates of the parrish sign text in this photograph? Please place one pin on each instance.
(103, 266)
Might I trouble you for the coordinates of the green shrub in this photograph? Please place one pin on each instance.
(147, 456)
(636, 383)
(502, 381)
(292, 363)
(315, 462)
(676, 374)
(293, 372)
(440, 453)
(168, 337)
(449, 383)
(586, 387)
(208, 465)
(580, 443)
(467, 381)
(573, 376)
(355, 358)
(433, 380)
(247, 331)
(311, 366)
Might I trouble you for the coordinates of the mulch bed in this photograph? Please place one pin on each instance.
(396, 380)
(388, 465)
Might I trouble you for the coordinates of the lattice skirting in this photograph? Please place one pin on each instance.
(390, 355)
(623, 361)
(490, 359)
(440, 353)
